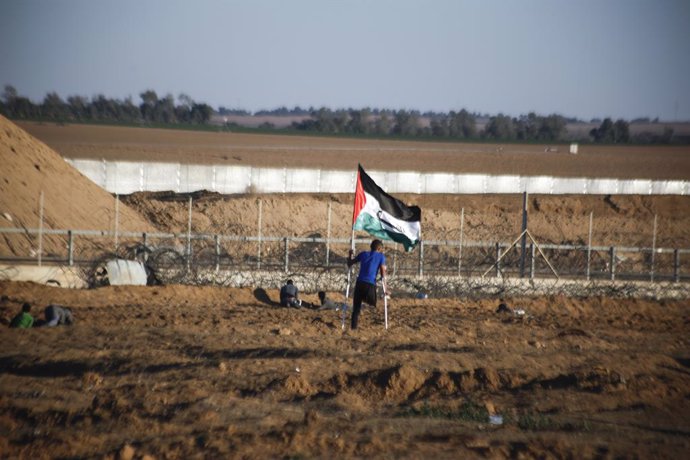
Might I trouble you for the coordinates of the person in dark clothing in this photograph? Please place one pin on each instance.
(57, 315)
(289, 295)
(371, 263)
(23, 319)
(329, 304)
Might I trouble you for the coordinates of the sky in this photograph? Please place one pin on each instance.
(585, 59)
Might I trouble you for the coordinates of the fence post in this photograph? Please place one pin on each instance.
(328, 233)
(612, 262)
(286, 254)
(117, 219)
(532, 252)
(651, 270)
(258, 254)
(462, 228)
(70, 248)
(420, 273)
(189, 235)
(676, 265)
(145, 239)
(40, 229)
(395, 259)
(217, 243)
(498, 257)
(523, 244)
(589, 246)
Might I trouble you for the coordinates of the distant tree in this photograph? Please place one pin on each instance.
(165, 110)
(527, 127)
(551, 128)
(129, 111)
(17, 106)
(359, 121)
(201, 113)
(406, 123)
(78, 107)
(610, 132)
(499, 127)
(149, 101)
(54, 108)
(462, 125)
(382, 124)
(439, 127)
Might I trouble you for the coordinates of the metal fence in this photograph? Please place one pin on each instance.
(182, 257)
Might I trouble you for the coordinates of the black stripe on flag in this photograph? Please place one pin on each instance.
(391, 205)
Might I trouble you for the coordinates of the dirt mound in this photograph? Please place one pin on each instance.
(71, 201)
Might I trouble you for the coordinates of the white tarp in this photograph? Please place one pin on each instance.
(126, 272)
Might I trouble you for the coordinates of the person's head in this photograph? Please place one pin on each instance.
(288, 282)
(377, 245)
(322, 296)
(26, 307)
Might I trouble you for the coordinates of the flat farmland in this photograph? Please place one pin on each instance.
(227, 148)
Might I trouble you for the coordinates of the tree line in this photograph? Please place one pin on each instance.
(461, 125)
(151, 109)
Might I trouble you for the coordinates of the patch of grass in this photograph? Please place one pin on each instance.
(469, 412)
(536, 422)
(541, 422)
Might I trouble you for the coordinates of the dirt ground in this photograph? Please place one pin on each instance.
(223, 148)
(213, 372)
(207, 372)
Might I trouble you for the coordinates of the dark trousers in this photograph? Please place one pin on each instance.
(364, 292)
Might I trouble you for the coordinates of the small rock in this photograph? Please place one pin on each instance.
(126, 453)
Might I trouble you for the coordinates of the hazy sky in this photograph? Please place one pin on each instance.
(584, 58)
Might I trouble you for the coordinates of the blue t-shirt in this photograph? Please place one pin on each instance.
(370, 261)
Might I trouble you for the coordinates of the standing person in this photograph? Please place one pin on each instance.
(371, 263)
(289, 295)
(55, 315)
(23, 319)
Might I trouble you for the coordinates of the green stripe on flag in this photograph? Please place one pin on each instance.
(372, 225)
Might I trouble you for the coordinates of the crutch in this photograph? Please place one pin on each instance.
(385, 302)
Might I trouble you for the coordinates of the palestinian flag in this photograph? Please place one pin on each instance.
(383, 216)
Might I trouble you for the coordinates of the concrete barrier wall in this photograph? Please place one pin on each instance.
(125, 177)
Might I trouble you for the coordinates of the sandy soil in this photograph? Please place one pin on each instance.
(199, 372)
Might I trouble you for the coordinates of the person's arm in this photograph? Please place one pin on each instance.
(351, 260)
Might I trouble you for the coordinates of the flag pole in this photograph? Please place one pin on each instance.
(349, 269)
(352, 238)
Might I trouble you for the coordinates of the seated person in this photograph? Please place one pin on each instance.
(56, 315)
(289, 295)
(23, 319)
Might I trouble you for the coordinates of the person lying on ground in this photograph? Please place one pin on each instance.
(57, 315)
(23, 319)
(329, 304)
